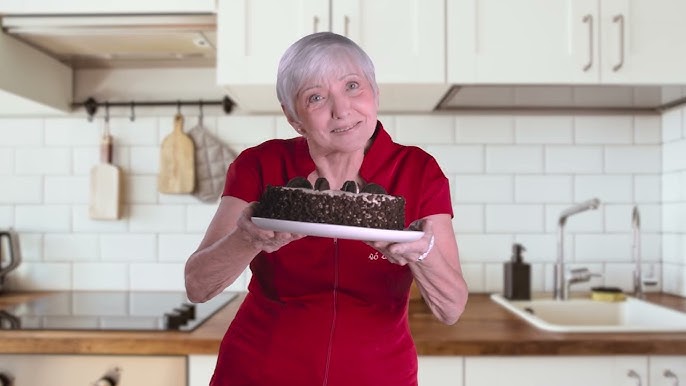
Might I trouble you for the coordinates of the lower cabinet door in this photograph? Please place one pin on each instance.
(556, 371)
(200, 369)
(667, 370)
(440, 371)
(76, 370)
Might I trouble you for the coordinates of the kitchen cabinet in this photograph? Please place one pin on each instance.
(65, 7)
(71, 370)
(405, 39)
(639, 41)
(200, 369)
(667, 370)
(440, 371)
(558, 371)
(566, 42)
(521, 371)
(433, 370)
(32, 82)
(253, 34)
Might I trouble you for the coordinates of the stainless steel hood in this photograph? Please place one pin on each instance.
(607, 98)
(120, 41)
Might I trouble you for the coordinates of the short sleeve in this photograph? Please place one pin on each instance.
(435, 197)
(243, 179)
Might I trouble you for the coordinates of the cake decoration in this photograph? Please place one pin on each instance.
(373, 188)
(350, 186)
(321, 184)
(299, 182)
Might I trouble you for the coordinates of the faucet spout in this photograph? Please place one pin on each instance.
(593, 203)
(636, 250)
(640, 281)
(561, 289)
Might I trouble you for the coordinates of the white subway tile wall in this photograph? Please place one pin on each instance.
(674, 201)
(511, 176)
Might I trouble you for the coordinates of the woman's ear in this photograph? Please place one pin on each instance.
(293, 122)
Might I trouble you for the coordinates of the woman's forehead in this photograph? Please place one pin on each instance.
(335, 71)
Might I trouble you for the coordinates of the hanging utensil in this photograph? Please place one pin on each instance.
(10, 253)
(212, 158)
(177, 163)
(105, 181)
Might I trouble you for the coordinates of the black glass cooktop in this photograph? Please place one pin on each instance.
(112, 310)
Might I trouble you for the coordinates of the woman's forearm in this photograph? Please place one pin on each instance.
(439, 276)
(223, 254)
(442, 288)
(211, 269)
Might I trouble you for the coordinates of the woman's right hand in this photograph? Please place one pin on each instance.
(262, 239)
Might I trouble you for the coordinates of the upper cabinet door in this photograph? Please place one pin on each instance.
(522, 41)
(404, 38)
(642, 41)
(253, 34)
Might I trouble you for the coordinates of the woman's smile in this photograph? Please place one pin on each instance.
(346, 128)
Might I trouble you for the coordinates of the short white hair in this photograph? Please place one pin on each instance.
(313, 57)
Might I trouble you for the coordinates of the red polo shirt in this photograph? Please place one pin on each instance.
(321, 311)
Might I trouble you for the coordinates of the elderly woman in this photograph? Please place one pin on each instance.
(319, 311)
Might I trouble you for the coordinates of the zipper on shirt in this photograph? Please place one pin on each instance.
(334, 305)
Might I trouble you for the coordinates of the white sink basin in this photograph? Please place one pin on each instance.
(586, 315)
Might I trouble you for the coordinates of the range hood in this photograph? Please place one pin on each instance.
(609, 98)
(120, 41)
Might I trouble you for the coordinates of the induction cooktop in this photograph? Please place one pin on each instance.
(112, 310)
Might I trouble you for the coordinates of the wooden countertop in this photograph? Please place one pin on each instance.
(484, 329)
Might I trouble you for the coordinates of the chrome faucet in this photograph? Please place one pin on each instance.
(563, 279)
(639, 280)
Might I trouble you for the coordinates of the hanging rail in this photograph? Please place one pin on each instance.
(91, 105)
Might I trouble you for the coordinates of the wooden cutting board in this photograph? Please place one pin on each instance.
(177, 161)
(105, 185)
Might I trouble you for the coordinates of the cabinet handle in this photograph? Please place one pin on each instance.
(346, 25)
(670, 375)
(316, 24)
(620, 19)
(6, 379)
(110, 378)
(633, 374)
(589, 19)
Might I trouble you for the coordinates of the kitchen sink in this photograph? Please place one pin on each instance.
(587, 315)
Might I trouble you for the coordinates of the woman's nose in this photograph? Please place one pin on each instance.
(340, 107)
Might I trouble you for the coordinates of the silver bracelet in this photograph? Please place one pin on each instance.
(425, 254)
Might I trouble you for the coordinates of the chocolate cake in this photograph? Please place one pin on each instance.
(370, 207)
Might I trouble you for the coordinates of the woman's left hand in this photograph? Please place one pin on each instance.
(409, 252)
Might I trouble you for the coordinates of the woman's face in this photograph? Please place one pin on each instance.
(337, 113)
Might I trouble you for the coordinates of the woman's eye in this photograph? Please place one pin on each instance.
(353, 85)
(314, 98)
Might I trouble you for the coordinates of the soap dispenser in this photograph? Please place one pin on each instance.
(517, 276)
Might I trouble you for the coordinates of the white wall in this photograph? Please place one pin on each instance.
(511, 176)
(674, 200)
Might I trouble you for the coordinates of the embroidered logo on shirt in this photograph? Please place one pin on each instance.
(376, 256)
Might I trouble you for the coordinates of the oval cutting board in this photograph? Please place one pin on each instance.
(177, 162)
